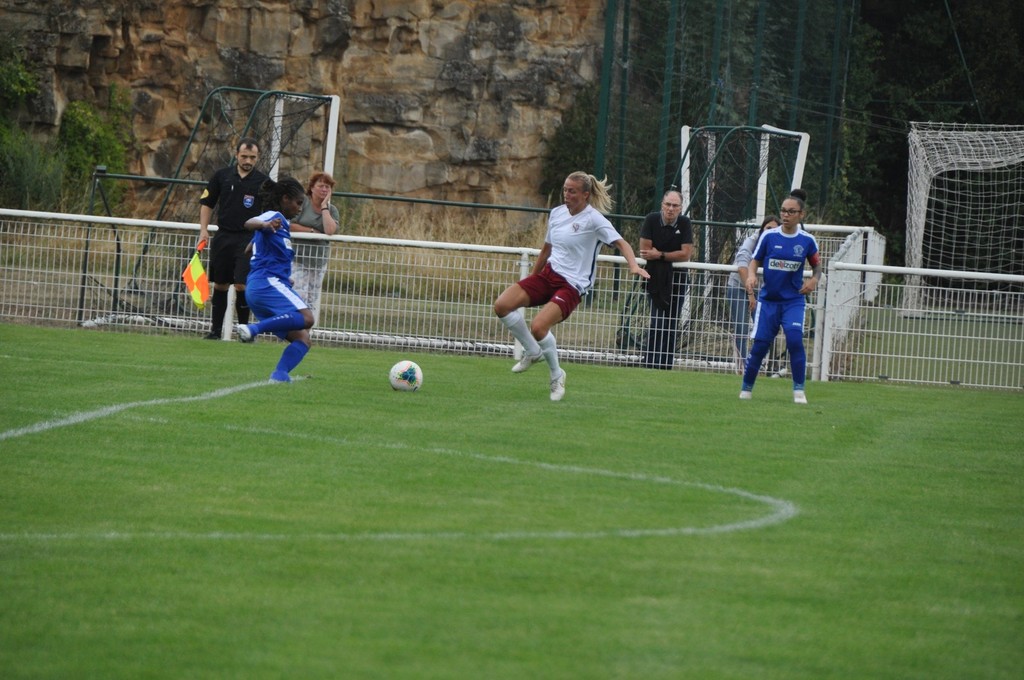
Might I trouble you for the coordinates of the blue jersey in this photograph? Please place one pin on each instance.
(272, 252)
(783, 255)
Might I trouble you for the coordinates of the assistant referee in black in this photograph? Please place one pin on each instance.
(234, 191)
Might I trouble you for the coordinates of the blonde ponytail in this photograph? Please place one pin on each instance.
(599, 190)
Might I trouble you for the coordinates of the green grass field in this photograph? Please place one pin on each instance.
(164, 513)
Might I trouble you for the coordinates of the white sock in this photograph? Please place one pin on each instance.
(516, 323)
(550, 353)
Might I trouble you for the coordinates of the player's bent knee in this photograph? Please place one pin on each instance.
(299, 336)
(794, 338)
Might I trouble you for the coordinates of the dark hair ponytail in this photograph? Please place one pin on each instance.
(272, 192)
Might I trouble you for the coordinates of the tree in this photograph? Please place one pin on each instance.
(30, 176)
(920, 76)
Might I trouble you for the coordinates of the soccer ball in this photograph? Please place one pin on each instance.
(405, 376)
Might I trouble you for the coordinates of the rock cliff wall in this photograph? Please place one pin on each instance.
(440, 99)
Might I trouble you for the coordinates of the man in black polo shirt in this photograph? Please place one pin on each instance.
(235, 191)
(665, 237)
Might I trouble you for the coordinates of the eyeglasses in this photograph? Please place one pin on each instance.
(790, 211)
(672, 205)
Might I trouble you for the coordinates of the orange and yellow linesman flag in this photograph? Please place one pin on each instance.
(196, 281)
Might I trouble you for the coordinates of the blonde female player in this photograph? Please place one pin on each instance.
(563, 272)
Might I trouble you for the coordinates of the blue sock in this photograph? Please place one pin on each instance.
(292, 321)
(291, 356)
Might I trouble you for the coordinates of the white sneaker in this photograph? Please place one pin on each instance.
(525, 362)
(799, 397)
(244, 333)
(558, 386)
(746, 395)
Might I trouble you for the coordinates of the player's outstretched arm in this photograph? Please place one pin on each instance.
(627, 252)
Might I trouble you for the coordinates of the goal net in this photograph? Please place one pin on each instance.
(727, 177)
(965, 210)
(297, 134)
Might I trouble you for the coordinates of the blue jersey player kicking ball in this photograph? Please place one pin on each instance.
(782, 253)
(268, 287)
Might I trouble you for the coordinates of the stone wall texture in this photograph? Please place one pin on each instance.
(440, 99)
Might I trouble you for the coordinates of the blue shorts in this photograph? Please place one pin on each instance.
(270, 297)
(770, 316)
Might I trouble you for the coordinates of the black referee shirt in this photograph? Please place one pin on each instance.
(236, 198)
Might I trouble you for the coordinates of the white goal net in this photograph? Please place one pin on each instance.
(297, 134)
(729, 179)
(965, 209)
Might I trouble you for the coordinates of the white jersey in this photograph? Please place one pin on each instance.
(575, 241)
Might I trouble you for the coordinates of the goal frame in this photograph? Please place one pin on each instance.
(942, 154)
(277, 138)
(689, 134)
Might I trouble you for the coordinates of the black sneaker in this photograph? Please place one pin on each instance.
(212, 335)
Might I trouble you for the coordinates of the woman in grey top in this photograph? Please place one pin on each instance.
(741, 304)
(318, 216)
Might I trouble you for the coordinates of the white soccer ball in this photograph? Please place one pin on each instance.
(405, 376)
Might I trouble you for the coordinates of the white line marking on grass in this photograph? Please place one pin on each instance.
(84, 416)
(780, 510)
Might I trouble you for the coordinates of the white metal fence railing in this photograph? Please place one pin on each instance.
(121, 274)
(966, 336)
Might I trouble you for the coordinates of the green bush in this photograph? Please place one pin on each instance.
(30, 175)
(88, 138)
(16, 81)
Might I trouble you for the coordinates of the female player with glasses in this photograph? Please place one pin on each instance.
(781, 301)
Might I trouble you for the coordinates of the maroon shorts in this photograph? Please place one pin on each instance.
(549, 286)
